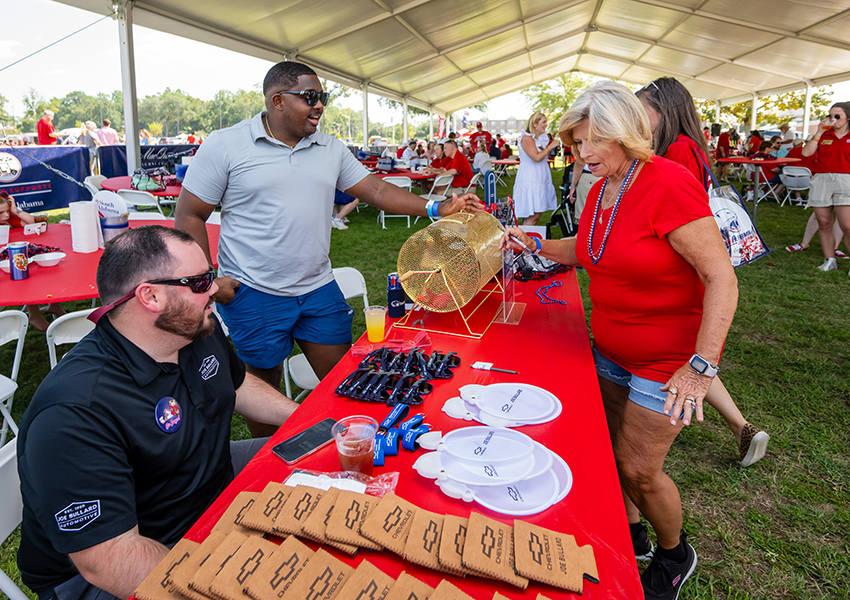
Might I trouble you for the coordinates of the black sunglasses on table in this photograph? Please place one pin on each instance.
(311, 96)
(197, 283)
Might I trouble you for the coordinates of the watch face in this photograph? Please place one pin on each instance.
(699, 364)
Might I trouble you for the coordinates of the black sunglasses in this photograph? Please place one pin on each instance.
(197, 283)
(311, 96)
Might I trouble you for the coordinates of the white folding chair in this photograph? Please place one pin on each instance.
(500, 171)
(443, 181)
(473, 183)
(92, 183)
(140, 199)
(404, 183)
(67, 329)
(11, 511)
(352, 284)
(13, 326)
(767, 189)
(795, 179)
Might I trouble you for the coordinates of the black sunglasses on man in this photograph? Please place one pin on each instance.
(311, 96)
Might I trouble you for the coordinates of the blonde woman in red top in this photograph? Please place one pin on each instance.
(663, 293)
(830, 190)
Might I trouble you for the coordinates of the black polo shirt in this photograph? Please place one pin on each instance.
(100, 449)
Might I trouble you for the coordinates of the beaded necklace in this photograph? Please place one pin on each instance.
(593, 257)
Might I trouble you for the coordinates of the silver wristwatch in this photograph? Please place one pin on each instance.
(702, 366)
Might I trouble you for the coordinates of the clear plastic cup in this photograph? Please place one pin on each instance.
(355, 442)
(375, 320)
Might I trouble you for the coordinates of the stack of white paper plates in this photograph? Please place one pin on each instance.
(501, 469)
(504, 405)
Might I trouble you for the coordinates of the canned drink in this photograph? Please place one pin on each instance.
(18, 260)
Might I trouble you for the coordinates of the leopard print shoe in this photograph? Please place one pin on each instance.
(753, 445)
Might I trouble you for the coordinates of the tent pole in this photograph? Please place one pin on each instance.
(753, 116)
(124, 8)
(365, 88)
(807, 110)
(430, 124)
(403, 139)
(717, 111)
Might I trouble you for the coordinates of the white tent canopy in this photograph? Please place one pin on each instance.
(444, 55)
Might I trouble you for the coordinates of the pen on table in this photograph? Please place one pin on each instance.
(484, 366)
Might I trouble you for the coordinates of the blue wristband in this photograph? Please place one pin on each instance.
(539, 245)
(432, 207)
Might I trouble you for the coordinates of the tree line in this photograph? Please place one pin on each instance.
(172, 112)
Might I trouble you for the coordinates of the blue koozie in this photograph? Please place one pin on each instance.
(395, 297)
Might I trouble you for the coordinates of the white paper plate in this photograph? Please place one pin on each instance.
(490, 444)
(526, 497)
(517, 402)
(564, 475)
(485, 474)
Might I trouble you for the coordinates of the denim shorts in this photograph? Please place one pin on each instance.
(263, 326)
(643, 392)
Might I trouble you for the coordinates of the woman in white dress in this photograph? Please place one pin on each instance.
(534, 192)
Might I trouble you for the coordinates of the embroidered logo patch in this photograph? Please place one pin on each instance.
(169, 415)
(77, 515)
(209, 367)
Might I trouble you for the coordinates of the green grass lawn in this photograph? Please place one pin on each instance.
(779, 529)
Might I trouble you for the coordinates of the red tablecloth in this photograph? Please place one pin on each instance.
(123, 183)
(510, 162)
(404, 173)
(744, 160)
(74, 277)
(550, 349)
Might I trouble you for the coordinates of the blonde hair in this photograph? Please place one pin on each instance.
(533, 120)
(614, 115)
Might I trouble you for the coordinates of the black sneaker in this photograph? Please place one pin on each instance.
(663, 579)
(644, 550)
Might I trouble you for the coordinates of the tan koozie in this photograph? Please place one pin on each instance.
(407, 587)
(452, 541)
(301, 502)
(231, 520)
(348, 515)
(367, 582)
(156, 585)
(389, 523)
(316, 524)
(267, 507)
(321, 579)
(276, 575)
(203, 577)
(553, 558)
(489, 549)
(183, 573)
(230, 582)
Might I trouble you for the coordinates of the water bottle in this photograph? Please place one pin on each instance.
(395, 297)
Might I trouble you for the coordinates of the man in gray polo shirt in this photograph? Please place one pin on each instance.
(274, 178)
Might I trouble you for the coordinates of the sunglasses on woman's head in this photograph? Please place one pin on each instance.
(311, 96)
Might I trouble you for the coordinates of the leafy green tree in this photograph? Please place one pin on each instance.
(6, 118)
(76, 108)
(554, 96)
(35, 106)
(771, 110)
(155, 129)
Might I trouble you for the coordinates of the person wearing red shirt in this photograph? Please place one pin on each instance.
(499, 141)
(754, 142)
(724, 151)
(830, 190)
(458, 166)
(480, 135)
(506, 151)
(441, 161)
(663, 295)
(46, 132)
(674, 122)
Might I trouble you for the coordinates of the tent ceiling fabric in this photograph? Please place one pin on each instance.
(450, 54)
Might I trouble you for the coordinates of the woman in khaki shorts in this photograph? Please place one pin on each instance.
(830, 190)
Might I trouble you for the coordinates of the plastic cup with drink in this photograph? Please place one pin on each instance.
(375, 319)
(355, 443)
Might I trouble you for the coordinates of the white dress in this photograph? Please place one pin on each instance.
(534, 191)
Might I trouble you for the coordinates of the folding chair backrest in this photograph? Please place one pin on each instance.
(139, 198)
(351, 283)
(147, 216)
(402, 182)
(92, 183)
(13, 327)
(441, 181)
(796, 172)
(473, 183)
(11, 510)
(67, 329)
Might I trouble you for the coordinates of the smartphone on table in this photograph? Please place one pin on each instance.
(305, 443)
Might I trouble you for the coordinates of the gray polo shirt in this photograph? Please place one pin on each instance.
(276, 204)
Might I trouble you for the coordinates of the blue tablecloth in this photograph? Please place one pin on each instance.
(113, 159)
(36, 187)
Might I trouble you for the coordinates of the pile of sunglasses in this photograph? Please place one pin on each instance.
(397, 377)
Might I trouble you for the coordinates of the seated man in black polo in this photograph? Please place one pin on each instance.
(127, 440)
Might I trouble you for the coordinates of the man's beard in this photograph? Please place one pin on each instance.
(177, 318)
